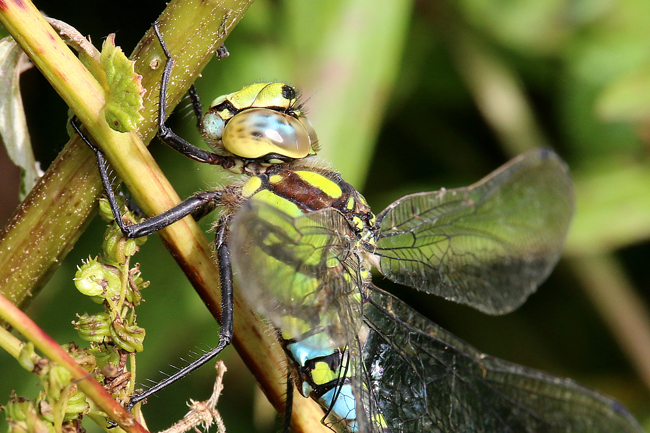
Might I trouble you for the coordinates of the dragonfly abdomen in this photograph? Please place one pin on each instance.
(323, 375)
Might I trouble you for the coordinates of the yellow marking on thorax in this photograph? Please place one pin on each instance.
(249, 188)
(281, 203)
(321, 182)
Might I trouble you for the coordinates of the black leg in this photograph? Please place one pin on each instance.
(196, 106)
(207, 207)
(288, 404)
(168, 136)
(198, 205)
(227, 306)
(225, 275)
(194, 206)
(103, 174)
(222, 52)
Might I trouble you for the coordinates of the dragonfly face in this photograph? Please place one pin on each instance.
(301, 242)
(261, 121)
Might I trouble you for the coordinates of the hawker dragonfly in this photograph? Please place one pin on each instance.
(302, 241)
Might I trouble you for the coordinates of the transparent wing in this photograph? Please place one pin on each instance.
(369, 417)
(488, 245)
(300, 273)
(425, 379)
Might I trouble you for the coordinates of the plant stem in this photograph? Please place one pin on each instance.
(38, 237)
(11, 344)
(50, 348)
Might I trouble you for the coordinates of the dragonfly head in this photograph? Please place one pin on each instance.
(262, 122)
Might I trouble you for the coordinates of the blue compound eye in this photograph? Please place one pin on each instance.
(257, 132)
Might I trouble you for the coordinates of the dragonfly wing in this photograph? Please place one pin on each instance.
(488, 245)
(368, 415)
(300, 273)
(429, 380)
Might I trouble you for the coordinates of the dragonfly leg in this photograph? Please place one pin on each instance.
(221, 52)
(196, 106)
(225, 275)
(227, 307)
(198, 205)
(288, 404)
(165, 133)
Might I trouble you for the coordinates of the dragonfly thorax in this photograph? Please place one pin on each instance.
(300, 190)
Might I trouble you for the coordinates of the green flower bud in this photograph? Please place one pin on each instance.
(127, 337)
(89, 277)
(130, 248)
(136, 283)
(94, 279)
(113, 283)
(105, 355)
(113, 245)
(58, 378)
(16, 427)
(97, 299)
(95, 327)
(116, 247)
(141, 240)
(17, 408)
(105, 210)
(29, 421)
(77, 404)
(44, 407)
(138, 280)
(28, 358)
(81, 356)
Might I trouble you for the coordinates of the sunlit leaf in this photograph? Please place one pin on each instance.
(124, 99)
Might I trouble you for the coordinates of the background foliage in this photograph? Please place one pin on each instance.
(406, 98)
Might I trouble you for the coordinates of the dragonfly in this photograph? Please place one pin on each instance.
(301, 242)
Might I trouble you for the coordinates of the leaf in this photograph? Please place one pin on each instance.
(125, 91)
(13, 124)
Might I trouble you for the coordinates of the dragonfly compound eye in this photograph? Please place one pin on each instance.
(258, 132)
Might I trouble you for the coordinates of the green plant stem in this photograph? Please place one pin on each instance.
(124, 279)
(192, 30)
(51, 349)
(9, 343)
(49, 221)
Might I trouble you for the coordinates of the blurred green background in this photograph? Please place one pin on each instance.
(408, 97)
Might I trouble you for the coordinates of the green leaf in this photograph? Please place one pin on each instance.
(13, 125)
(124, 99)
